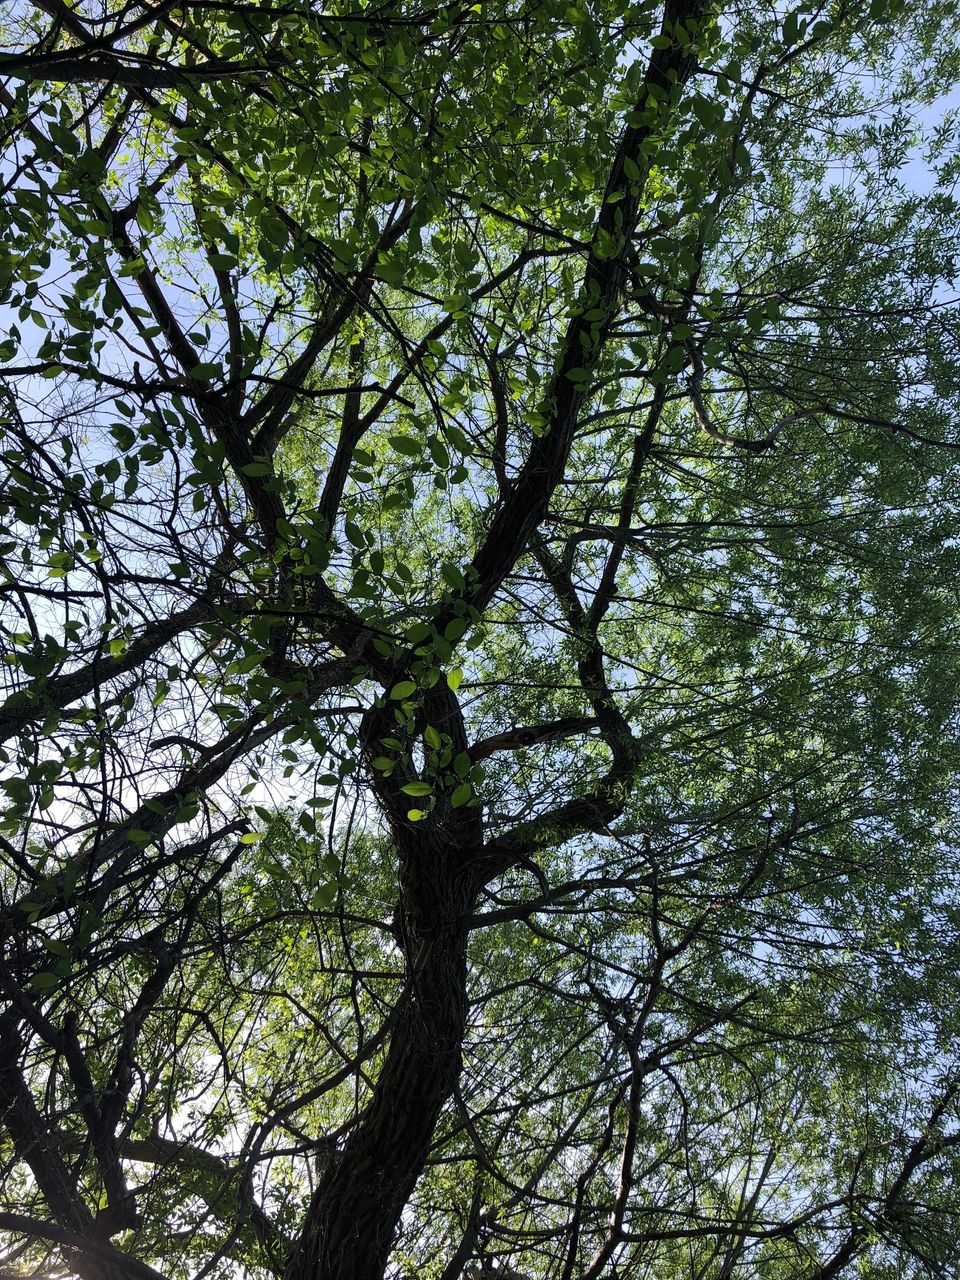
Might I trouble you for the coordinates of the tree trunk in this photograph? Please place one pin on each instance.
(355, 1210)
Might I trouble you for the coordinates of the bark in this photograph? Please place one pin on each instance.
(36, 1144)
(355, 1210)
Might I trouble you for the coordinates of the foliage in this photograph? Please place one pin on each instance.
(479, 536)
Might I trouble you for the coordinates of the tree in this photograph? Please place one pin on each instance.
(479, 551)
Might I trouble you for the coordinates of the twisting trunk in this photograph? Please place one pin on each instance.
(356, 1208)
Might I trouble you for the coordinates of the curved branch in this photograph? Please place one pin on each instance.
(704, 421)
(37, 1228)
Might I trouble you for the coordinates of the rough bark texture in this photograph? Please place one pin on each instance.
(355, 1210)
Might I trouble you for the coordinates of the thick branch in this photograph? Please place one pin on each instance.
(524, 510)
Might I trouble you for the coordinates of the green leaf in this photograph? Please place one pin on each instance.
(461, 795)
(323, 897)
(417, 789)
(403, 689)
(461, 763)
(452, 576)
(408, 447)
(18, 792)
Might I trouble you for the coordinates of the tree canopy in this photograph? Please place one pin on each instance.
(479, 546)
